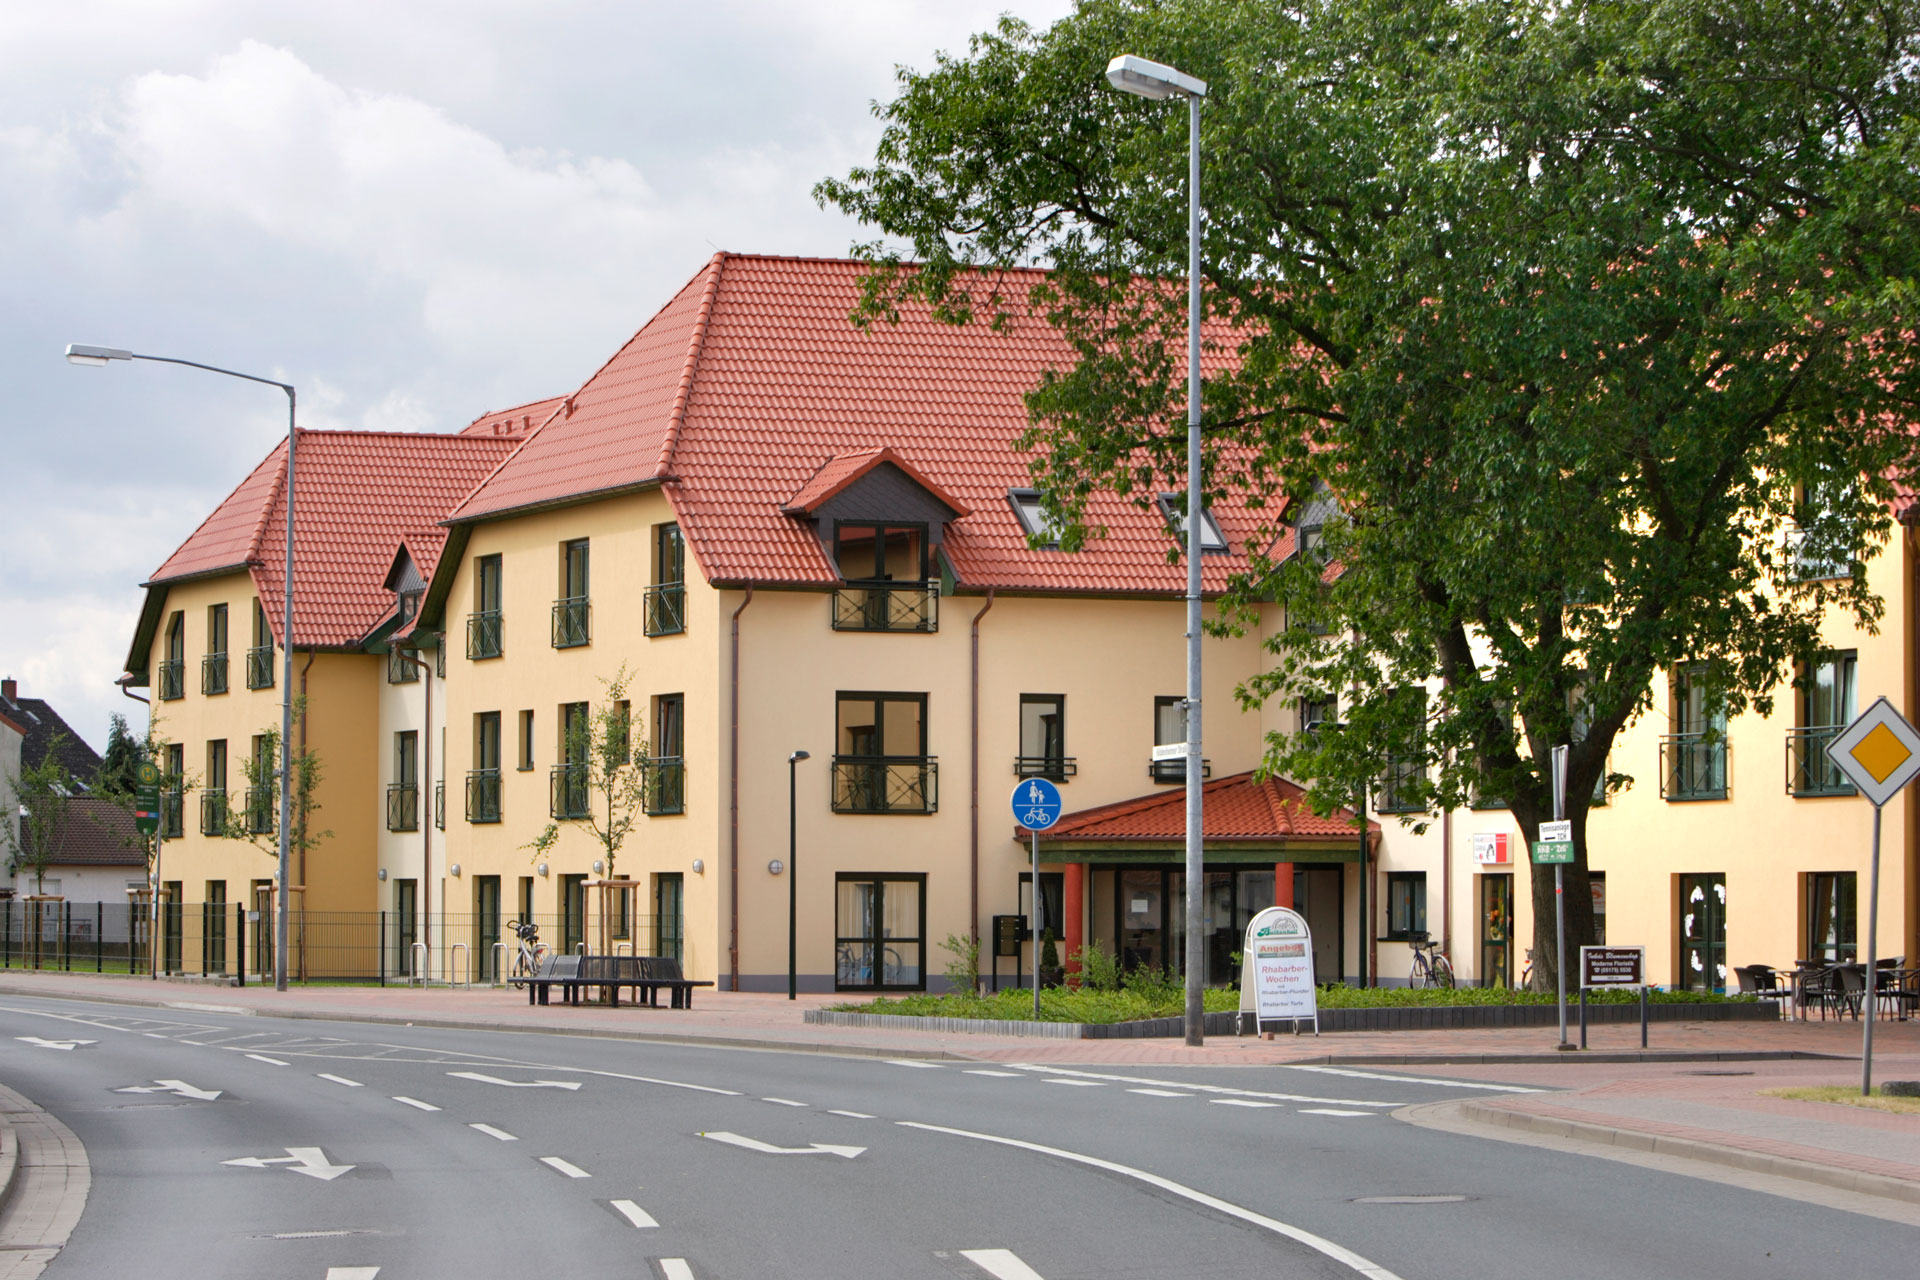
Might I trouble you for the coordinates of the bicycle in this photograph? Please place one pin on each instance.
(530, 951)
(1526, 972)
(1430, 968)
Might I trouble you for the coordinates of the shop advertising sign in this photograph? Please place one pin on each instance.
(1613, 966)
(1276, 971)
(1492, 849)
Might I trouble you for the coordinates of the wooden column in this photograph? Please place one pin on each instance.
(1073, 908)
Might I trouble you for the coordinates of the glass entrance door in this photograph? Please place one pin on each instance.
(880, 925)
(1703, 932)
(1141, 901)
(669, 931)
(1496, 930)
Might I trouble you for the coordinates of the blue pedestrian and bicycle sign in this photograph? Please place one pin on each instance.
(1036, 804)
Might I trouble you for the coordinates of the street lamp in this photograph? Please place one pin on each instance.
(793, 871)
(1156, 81)
(97, 357)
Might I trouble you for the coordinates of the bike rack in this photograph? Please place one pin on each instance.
(499, 964)
(618, 945)
(466, 964)
(579, 948)
(422, 961)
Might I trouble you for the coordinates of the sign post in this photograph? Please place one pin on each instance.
(1555, 847)
(1880, 754)
(1276, 971)
(1613, 967)
(1036, 806)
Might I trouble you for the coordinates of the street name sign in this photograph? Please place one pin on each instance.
(1557, 831)
(1613, 966)
(1548, 852)
(1168, 751)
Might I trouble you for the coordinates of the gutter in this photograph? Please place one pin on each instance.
(733, 800)
(973, 843)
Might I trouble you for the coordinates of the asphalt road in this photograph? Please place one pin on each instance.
(333, 1149)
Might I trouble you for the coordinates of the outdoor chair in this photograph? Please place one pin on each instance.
(1895, 989)
(1850, 992)
(1763, 982)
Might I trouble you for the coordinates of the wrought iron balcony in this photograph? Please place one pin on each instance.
(399, 669)
(1693, 766)
(172, 813)
(887, 606)
(213, 813)
(483, 795)
(260, 667)
(572, 622)
(483, 634)
(440, 805)
(568, 784)
(403, 806)
(173, 679)
(1398, 788)
(1810, 769)
(213, 673)
(1176, 770)
(666, 785)
(666, 609)
(261, 801)
(886, 784)
(1056, 768)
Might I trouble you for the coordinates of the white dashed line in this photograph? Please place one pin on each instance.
(913, 1062)
(566, 1167)
(1432, 1080)
(1083, 1084)
(261, 1057)
(492, 1132)
(1160, 1093)
(676, 1269)
(851, 1115)
(1004, 1074)
(352, 1273)
(1000, 1263)
(1068, 1074)
(415, 1102)
(154, 1035)
(198, 1044)
(1329, 1111)
(634, 1213)
(1241, 1102)
(783, 1102)
(351, 1084)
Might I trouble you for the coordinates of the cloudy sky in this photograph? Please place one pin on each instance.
(413, 211)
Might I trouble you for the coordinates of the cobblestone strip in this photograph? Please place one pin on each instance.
(41, 1201)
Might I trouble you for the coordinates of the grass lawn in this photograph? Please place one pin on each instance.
(1850, 1096)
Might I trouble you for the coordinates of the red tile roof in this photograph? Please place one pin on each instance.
(520, 420)
(359, 495)
(752, 377)
(836, 473)
(1241, 808)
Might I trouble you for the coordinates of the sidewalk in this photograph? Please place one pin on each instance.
(1696, 1093)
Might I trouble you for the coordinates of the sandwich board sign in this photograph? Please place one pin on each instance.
(1276, 970)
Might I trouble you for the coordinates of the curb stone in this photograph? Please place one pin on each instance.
(9, 1161)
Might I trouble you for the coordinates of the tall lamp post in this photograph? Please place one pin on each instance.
(97, 357)
(1154, 80)
(793, 871)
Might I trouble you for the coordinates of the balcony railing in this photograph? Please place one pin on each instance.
(1693, 766)
(887, 606)
(213, 813)
(261, 800)
(1398, 789)
(403, 806)
(1176, 770)
(483, 634)
(568, 783)
(400, 670)
(667, 609)
(572, 622)
(1810, 769)
(440, 805)
(666, 785)
(172, 813)
(213, 673)
(1057, 768)
(260, 667)
(483, 795)
(886, 784)
(173, 679)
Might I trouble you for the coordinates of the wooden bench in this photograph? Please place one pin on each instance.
(646, 975)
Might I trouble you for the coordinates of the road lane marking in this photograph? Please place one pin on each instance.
(1241, 1102)
(178, 1087)
(351, 1084)
(1432, 1080)
(1001, 1264)
(352, 1273)
(633, 1213)
(767, 1148)
(851, 1115)
(492, 1132)
(783, 1102)
(311, 1161)
(570, 1169)
(913, 1062)
(198, 1044)
(68, 1045)
(515, 1084)
(980, 1071)
(1065, 1073)
(621, 1075)
(1084, 1084)
(676, 1269)
(155, 1035)
(1339, 1253)
(1330, 1111)
(1161, 1093)
(415, 1102)
(261, 1057)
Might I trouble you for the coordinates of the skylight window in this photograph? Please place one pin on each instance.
(1172, 506)
(1033, 520)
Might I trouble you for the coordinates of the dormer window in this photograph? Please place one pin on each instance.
(1033, 520)
(1173, 507)
(880, 553)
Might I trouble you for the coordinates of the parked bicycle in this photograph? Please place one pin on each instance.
(1526, 972)
(529, 952)
(1430, 968)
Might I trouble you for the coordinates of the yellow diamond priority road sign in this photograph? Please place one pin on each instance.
(1879, 753)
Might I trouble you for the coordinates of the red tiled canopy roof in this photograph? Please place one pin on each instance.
(1241, 808)
(738, 391)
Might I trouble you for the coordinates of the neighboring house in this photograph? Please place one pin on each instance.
(29, 729)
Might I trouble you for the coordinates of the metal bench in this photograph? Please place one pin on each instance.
(646, 975)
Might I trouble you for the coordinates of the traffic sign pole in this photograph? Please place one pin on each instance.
(1560, 894)
(1036, 806)
(1873, 922)
(1034, 907)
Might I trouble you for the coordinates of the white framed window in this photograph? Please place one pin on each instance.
(1173, 508)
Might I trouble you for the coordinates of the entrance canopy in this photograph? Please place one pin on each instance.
(1245, 819)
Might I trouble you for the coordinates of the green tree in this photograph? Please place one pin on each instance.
(35, 838)
(256, 818)
(1580, 316)
(120, 767)
(607, 778)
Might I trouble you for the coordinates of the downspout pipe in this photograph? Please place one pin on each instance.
(973, 846)
(426, 827)
(733, 798)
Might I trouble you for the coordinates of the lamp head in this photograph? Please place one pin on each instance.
(1152, 79)
(97, 357)
(798, 756)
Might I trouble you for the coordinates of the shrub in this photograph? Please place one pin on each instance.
(963, 971)
(1049, 954)
(1099, 968)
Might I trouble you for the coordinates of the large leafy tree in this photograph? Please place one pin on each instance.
(1590, 319)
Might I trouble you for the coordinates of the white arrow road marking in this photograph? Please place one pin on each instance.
(515, 1084)
(492, 1132)
(1339, 1253)
(1241, 1102)
(68, 1045)
(351, 1084)
(754, 1144)
(1433, 1080)
(180, 1087)
(676, 1269)
(352, 1273)
(567, 1167)
(851, 1115)
(633, 1213)
(1000, 1263)
(311, 1161)
(415, 1102)
(261, 1057)
(1330, 1111)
